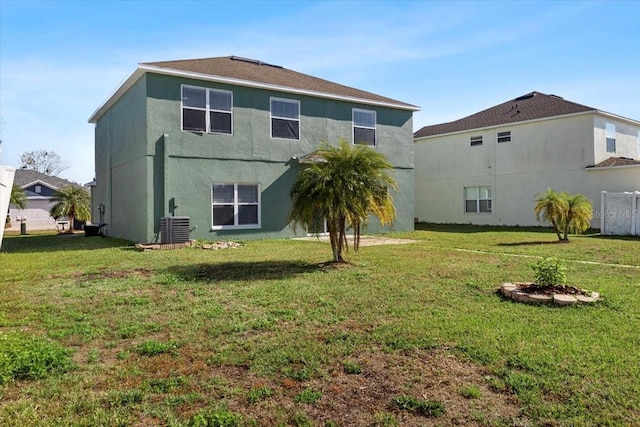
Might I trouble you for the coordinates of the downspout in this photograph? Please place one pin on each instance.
(165, 174)
(603, 211)
(634, 213)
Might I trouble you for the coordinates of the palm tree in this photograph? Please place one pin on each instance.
(346, 186)
(579, 214)
(73, 202)
(566, 213)
(551, 207)
(18, 198)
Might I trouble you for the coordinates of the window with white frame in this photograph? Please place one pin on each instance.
(38, 189)
(207, 110)
(285, 118)
(610, 137)
(476, 140)
(364, 127)
(477, 200)
(235, 206)
(504, 136)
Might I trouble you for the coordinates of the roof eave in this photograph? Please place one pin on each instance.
(142, 69)
(599, 168)
(502, 125)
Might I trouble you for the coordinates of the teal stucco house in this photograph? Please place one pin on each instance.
(212, 146)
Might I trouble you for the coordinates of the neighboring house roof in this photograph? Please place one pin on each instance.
(26, 177)
(612, 162)
(532, 106)
(249, 72)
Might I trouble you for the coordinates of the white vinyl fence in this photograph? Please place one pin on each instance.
(620, 213)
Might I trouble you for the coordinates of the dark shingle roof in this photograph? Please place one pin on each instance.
(615, 161)
(250, 70)
(27, 176)
(534, 105)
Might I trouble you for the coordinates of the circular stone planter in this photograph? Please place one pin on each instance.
(522, 292)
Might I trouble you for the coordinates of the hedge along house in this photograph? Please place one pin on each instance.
(219, 140)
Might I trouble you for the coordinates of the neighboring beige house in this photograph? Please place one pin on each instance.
(39, 188)
(488, 167)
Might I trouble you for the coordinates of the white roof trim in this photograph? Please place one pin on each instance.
(506, 125)
(142, 69)
(39, 182)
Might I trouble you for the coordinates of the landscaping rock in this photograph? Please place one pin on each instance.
(562, 299)
(507, 289)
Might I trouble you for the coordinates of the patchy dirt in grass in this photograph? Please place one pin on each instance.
(366, 398)
(364, 240)
(107, 274)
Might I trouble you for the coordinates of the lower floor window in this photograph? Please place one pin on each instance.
(477, 199)
(235, 205)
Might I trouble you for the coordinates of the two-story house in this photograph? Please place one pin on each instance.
(488, 167)
(219, 140)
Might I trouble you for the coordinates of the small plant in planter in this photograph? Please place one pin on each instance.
(550, 272)
(549, 286)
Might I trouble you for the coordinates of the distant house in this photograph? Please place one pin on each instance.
(487, 168)
(39, 189)
(220, 140)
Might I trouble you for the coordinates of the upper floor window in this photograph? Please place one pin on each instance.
(476, 140)
(285, 118)
(610, 136)
(38, 189)
(504, 136)
(639, 143)
(477, 199)
(235, 206)
(207, 110)
(364, 127)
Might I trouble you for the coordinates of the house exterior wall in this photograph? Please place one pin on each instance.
(120, 161)
(36, 214)
(541, 154)
(159, 170)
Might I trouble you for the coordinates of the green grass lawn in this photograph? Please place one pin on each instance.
(94, 332)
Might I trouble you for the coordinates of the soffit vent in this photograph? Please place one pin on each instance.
(174, 229)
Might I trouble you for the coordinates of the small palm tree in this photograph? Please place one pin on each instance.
(73, 202)
(551, 207)
(565, 212)
(578, 216)
(18, 197)
(345, 187)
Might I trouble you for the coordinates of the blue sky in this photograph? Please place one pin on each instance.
(59, 61)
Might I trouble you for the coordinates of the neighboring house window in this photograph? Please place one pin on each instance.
(476, 140)
(207, 110)
(639, 143)
(285, 118)
(610, 136)
(235, 206)
(38, 189)
(364, 127)
(504, 136)
(477, 199)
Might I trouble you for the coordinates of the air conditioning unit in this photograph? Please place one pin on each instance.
(174, 229)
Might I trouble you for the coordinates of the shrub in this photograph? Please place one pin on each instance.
(549, 272)
(23, 356)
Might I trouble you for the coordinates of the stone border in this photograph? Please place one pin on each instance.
(510, 290)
